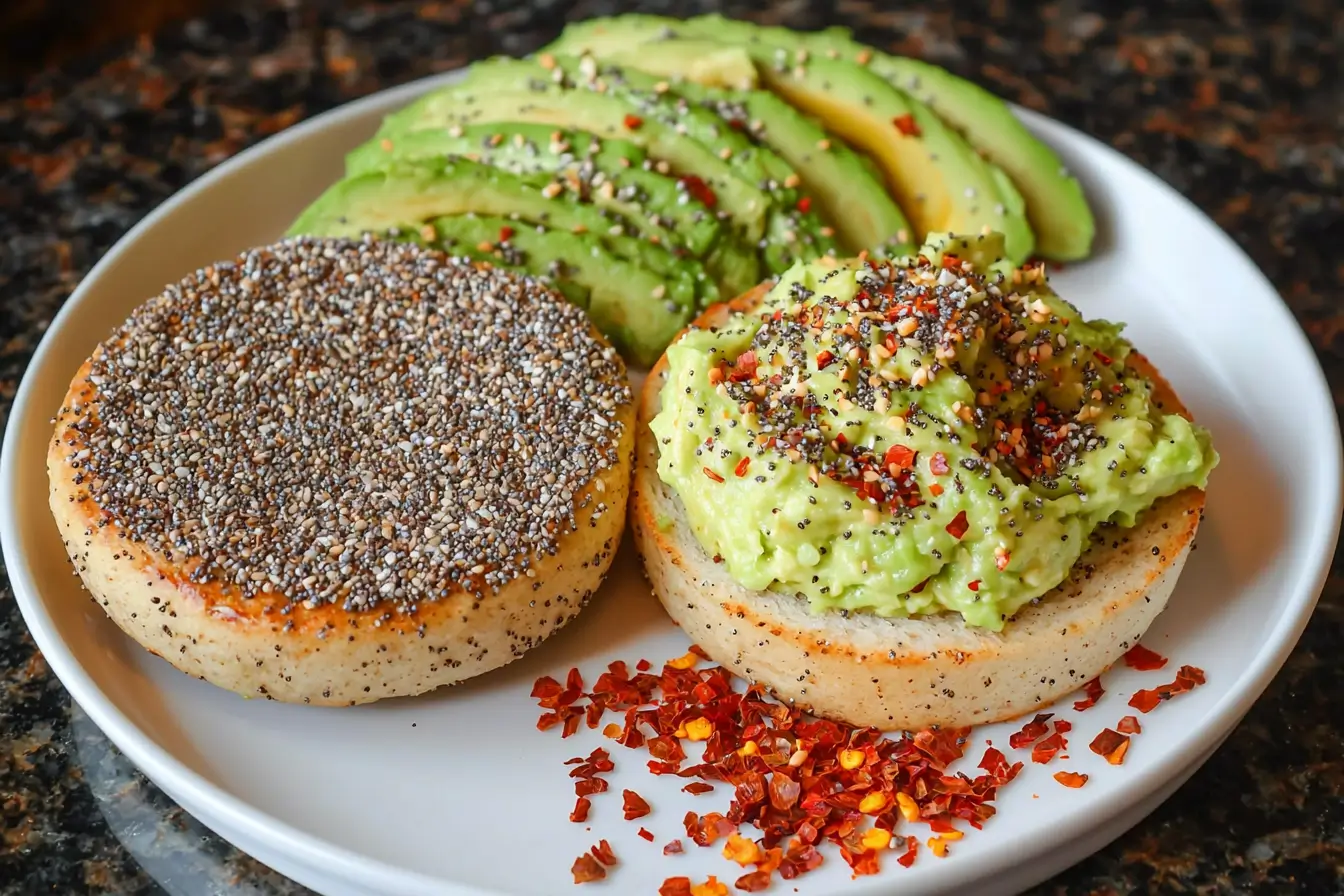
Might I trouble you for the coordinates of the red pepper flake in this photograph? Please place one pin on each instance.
(1047, 749)
(741, 469)
(935, 489)
(1143, 659)
(1071, 779)
(1063, 726)
(1187, 678)
(586, 869)
(602, 852)
(646, 834)
(1001, 560)
(906, 125)
(753, 882)
(700, 190)
(907, 858)
(632, 122)
(505, 234)
(938, 463)
(1129, 725)
(590, 786)
(1093, 690)
(825, 359)
(1112, 745)
(673, 848)
(634, 805)
(957, 528)
(695, 788)
(899, 456)
(974, 584)
(1103, 358)
(805, 204)
(643, 665)
(744, 368)
(675, 886)
(711, 474)
(581, 807)
(1031, 732)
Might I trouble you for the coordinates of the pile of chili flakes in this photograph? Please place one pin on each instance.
(796, 779)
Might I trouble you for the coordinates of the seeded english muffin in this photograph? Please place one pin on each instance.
(332, 471)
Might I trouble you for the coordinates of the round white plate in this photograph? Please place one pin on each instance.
(457, 793)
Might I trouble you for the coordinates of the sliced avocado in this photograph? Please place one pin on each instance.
(471, 102)
(849, 190)
(636, 308)
(1056, 206)
(940, 182)
(612, 174)
(419, 191)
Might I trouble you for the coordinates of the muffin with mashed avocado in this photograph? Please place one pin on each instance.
(915, 492)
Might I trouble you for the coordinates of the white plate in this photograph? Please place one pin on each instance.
(457, 793)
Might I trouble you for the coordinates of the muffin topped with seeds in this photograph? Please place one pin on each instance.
(332, 471)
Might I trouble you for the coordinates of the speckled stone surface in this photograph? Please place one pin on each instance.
(1236, 104)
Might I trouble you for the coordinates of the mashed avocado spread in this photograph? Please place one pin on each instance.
(938, 434)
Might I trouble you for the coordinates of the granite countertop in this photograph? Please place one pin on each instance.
(1236, 104)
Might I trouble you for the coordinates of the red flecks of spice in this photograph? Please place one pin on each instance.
(997, 765)
(907, 858)
(1103, 358)
(643, 666)
(700, 190)
(1093, 690)
(673, 848)
(634, 805)
(1071, 779)
(505, 234)
(1129, 725)
(899, 456)
(590, 786)
(1143, 659)
(715, 477)
(581, 807)
(906, 125)
(744, 368)
(1187, 679)
(753, 881)
(646, 834)
(741, 469)
(586, 869)
(938, 463)
(1112, 745)
(1031, 732)
(974, 584)
(1047, 749)
(632, 122)
(1002, 559)
(695, 788)
(957, 528)
(602, 852)
(805, 204)
(675, 886)
(825, 359)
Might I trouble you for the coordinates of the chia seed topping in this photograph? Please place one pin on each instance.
(353, 423)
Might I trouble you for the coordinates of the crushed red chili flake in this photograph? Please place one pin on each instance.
(581, 807)
(634, 805)
(805, 204)
(959, 525)
(907, 858)
(938, 463)
(633, 122)
(1129, 725)
(1143, 659)
(699, 190)
(741, 469)
(590, 786)
(646, 834)
(643, 666)
(711, 474)
(1110, 744)
(1071, 779)
(906, 125)
(1103, 358)
(1063, 726)
(586, 869)
(505, 234)
(602, 852)
(1093, 691)
(673, 848)
(825, 359)
(675, 886)
(974, 585)
(795, 779)
(1031, 732)
(753, 881)
(899, 456)
(1187, 679)
(1047, 749)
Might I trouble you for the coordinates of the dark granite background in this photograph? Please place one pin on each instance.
(1236, 104)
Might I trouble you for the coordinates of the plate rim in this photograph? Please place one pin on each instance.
(175, 777)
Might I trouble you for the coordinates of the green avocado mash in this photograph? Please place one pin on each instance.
(938, 434)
